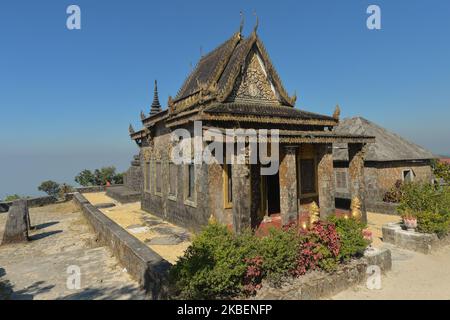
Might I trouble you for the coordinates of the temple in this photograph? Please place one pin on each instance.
(237, 86)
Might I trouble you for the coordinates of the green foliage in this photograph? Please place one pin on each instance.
(279, 252)
(85, 178)
(213, 266)
(432, 222)
(65, 188)
(429, 204)
(11, 198)
(351, 237)
(395, 194)
(50, 187)
(441, 170)
(100, 177)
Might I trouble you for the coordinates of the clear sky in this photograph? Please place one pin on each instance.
(67, 97)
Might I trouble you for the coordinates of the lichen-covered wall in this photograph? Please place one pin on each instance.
(380, 177)
(174, 208)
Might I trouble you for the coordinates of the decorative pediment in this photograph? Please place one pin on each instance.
(253, 83)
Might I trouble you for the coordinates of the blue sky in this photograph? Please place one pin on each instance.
(67, 97)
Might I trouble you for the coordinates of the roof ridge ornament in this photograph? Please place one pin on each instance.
(142, 115)
(131, 129)
(257, 22)
(241, 26)
(337, 112)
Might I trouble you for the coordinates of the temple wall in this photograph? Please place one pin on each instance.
(175, 208)
(380, 177)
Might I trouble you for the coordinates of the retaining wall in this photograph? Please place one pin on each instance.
(142, 263)
(426, 243)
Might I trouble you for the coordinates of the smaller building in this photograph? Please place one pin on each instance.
(389, 160)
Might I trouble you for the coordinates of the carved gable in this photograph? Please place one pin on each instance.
(253, 84)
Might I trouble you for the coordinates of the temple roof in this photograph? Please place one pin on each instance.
(215, 76)
(388, 146)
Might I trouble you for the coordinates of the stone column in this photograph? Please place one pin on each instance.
(357, 188)
(288, 185)
(325, 177)
(241, 195)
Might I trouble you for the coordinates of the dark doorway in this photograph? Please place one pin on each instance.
(273, 194)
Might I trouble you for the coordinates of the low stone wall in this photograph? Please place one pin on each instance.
(382, 207)
(123, 194)
(142, 263)
(32, 202)
(426, 243)
(317, 285)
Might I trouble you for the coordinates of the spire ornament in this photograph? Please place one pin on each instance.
(257, 22)
(337, 112)
(241, 26)
(156, 106)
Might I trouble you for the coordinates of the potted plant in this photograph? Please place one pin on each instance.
(410, 222)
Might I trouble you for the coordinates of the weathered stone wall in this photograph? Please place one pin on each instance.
(133, 178)
(141, 262)
(176, 209)
(32, 202)
(380, 177)
(415, 241)
(316, 285)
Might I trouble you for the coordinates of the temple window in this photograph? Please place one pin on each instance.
(227, 186)
(172, 180)
(308, 176)
(158, 178)
(147, 177)
(341, 180)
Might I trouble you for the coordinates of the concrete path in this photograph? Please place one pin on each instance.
(39, 269)
(413, 276)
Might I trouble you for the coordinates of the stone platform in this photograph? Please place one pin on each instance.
(123, 194)
(393, 233)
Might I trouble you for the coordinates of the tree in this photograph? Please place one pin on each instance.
(104, 175)
(11, 197)
(85, 178)
(118, 178)
(441, 170)
(50, 187)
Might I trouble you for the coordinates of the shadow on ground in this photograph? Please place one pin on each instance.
(7, 289)
(108, 293)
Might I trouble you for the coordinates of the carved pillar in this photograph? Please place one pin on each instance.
(241, 189)
(356, 154)
(326, 184)
(288, 186)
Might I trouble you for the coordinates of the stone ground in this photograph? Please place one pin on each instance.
(166, 239)
(413, 276)
(38, 269)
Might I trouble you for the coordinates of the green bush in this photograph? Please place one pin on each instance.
(11, 198)
(429, 204)
(213, 266)
(351, 237)
(279, 251)
(431, 222)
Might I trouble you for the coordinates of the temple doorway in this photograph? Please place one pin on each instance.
(272, 194)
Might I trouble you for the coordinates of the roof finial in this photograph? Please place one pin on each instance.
(337, 112)
(131, 129)
(257, 22)
(156, 106)
(241, 27)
